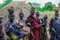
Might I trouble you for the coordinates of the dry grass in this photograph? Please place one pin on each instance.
(50, 14)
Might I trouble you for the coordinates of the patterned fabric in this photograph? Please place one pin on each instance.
(12, 33)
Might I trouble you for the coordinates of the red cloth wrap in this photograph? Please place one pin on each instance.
(35, 27)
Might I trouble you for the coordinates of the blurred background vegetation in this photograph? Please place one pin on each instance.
(5, 3)
(49, 6)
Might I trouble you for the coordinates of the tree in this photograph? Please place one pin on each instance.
(7, 1)
(38, 9)
(54, 5)
(59, 4)
(49, 6)
(43, 8)
(30, 3)
(34, 4)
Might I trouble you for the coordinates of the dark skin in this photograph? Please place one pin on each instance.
(32, 12)
(21, 15)
(37, 15)
(51, 22)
